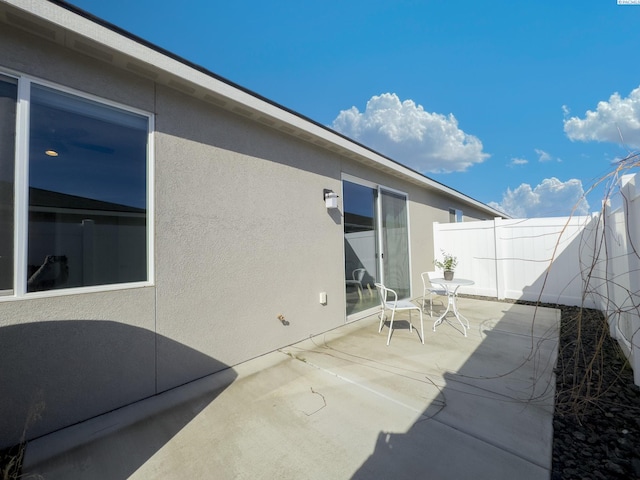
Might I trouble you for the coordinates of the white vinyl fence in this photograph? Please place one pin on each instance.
(613, 244)
(528, 259)
(593, 261)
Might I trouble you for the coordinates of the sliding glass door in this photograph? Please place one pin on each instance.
(395, 242)
(376, 243)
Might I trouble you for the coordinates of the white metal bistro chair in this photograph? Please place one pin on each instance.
(357, 275)
(431, 289)
(396, 305)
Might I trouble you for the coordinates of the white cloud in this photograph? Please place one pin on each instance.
(551, 198)
(616, 120)
(519, 161)
(404, 131)
(545, 156)
(542, 155)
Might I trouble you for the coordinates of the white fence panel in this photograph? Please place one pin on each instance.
(474, 245)
(591, 261)
(624, 316)
(616, 263)
(529, 259)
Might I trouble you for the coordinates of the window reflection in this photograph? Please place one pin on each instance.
(360, 243)
(8, 99)
(87, 193)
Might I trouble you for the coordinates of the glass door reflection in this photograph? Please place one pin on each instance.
(360, 245)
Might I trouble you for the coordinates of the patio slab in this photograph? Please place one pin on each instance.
(343, 405)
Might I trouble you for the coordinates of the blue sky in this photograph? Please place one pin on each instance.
(517, 104)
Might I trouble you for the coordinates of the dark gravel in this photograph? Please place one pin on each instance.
(597, 415)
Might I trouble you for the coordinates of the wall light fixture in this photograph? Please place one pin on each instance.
(330, 198)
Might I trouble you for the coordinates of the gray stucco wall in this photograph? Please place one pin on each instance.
(75, 355)
(242, 235)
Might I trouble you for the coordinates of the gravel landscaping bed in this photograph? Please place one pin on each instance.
(597, 414)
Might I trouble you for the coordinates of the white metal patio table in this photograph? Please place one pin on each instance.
(452, 286)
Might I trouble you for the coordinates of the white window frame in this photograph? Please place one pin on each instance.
(21, 191)
(457, 214)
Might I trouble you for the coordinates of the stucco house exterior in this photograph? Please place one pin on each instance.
(159, 224)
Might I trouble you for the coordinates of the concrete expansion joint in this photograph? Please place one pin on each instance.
(492, 444)
(421, 417)
(359, 385)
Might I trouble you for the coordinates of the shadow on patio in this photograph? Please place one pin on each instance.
(344, 405)
(492, 414)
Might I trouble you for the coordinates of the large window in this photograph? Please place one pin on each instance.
(81, 186)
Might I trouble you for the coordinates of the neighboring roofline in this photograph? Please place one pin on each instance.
(40, 198)
(117, 46)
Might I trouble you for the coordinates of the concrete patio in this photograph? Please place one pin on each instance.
(343, 405)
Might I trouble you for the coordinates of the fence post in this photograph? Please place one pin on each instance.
(609, 241)
(498, 262)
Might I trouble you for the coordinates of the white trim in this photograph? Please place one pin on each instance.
(409, 248)
(21, 190)
(458, 215)
(393, 190)
(60, 292)
(344, 256)
(378, 226)
(151, 218)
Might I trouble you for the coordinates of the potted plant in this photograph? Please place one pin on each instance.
(447, 264)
